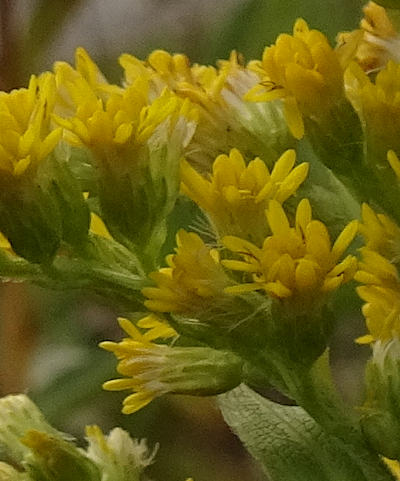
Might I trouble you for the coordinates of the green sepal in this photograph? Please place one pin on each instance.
(286, 441)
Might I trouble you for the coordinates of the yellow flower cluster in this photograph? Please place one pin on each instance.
(219, 134)
(226, 120)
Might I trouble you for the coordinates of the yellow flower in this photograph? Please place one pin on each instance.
(304, 71)
(109, 119)
(152, 370)
(236, 195)
(381, 234)
(378, 272)
(374, 44)
(26, 137)
(116, 126)
(193, 280)
(81, 84)
(132, 353)
(377, 103)
(296, 263)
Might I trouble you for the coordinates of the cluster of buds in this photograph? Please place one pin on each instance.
(37, 452)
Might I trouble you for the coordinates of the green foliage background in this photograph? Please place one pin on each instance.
(54, 341)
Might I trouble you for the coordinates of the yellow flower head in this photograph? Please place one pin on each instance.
(381, 311)
(193, 280)
(302, 69)
(378, 103)
(378, 272)
(110, 120)
(374, 44)
(295, 263)
(152, 370)
(235, 195)
(124, 121)
(139, 361)
(381, 234)
(26, 136)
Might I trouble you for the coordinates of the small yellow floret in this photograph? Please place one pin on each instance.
(294, 262)
(302, 69)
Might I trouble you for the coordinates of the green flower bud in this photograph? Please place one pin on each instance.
(381, 415)
(18, 414)
(54, 459)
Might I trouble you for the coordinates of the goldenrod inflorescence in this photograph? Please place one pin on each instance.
(229, 207)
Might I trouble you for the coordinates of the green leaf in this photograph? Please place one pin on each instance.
(287, 442)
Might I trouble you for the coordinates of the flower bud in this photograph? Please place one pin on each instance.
(381, 419)
(55, 459)
(120, 457)
(18, 414)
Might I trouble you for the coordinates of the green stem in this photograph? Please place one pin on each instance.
(314, 391)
